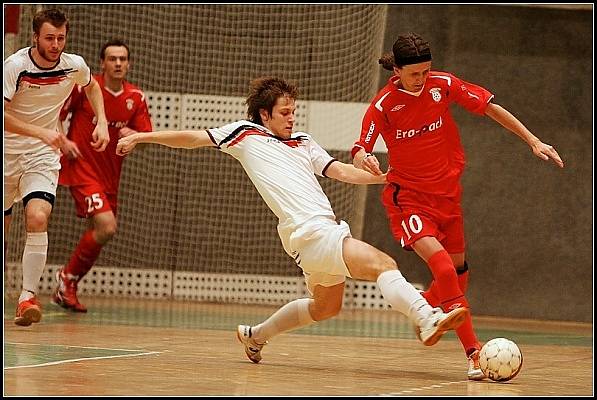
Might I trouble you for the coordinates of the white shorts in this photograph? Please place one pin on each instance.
(27, 173)
(317, 248)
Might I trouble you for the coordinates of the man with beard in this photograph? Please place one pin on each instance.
(37, 81)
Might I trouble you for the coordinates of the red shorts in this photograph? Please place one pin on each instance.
(414, 215)
(90, 199)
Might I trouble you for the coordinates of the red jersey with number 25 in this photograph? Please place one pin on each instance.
(424, 149)
(125, 108)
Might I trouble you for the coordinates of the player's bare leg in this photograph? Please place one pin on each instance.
(326, 303)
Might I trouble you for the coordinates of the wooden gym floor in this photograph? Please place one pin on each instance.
(164, 348)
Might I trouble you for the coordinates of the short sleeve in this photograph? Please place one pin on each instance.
(83, 74)
(141, 121)
(473, 98)
(10, 78)
(219, 135)
(320, 158)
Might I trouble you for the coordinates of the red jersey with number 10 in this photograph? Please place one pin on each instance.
(125, 108)
(424, 149)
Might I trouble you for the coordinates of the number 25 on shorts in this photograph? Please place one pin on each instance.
(94, 202)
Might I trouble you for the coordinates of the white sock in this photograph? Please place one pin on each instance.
(403, 296)
(34, 262)
(25, 295)
(291, 316)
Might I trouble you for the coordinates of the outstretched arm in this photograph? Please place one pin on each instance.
(175, 139)
(510, 122)
(349, 174)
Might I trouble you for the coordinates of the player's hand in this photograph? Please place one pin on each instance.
(100, 136)
(371, 164)
(125, 145)
(70, 149)
(52, 138)
(126, 131)
(547, 152)
(380, 179)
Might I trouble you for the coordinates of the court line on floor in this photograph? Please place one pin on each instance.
(80, 359)
(416, 389)
(144, 353)
(69, 345)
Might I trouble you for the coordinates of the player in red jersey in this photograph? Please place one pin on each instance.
(94, 177)
(426, 160)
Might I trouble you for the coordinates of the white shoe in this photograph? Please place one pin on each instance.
(432, 328)
(474, 368)
(252, 348)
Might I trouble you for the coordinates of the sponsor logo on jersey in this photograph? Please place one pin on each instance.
(117, 124)
(370, 132)
(293, 142)
(129, 104)
(409, 133)
(111, 124)
(435, 94)
(397, 108)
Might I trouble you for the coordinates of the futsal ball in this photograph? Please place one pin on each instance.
(500, 359)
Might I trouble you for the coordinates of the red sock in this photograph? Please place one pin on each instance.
(84, 256)
(466, 334)
(444, 275)
(450, 294)
(470, 343)
(431, 294)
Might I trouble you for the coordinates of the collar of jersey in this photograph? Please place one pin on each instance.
(40, 67)
(270, 133)
(395, 79)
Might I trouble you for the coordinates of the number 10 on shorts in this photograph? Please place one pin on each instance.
(412, 227)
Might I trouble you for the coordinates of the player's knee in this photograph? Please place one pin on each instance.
(106, 231)
(385, 263)
(37, 220)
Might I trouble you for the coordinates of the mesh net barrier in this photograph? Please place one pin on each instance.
(197, 210)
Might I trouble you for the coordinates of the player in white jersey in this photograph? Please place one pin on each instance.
(283, 166)
(37, 81)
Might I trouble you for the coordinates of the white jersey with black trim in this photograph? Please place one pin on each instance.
(282, 170)
(37, 94)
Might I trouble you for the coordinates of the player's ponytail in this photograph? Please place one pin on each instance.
(387, 61)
